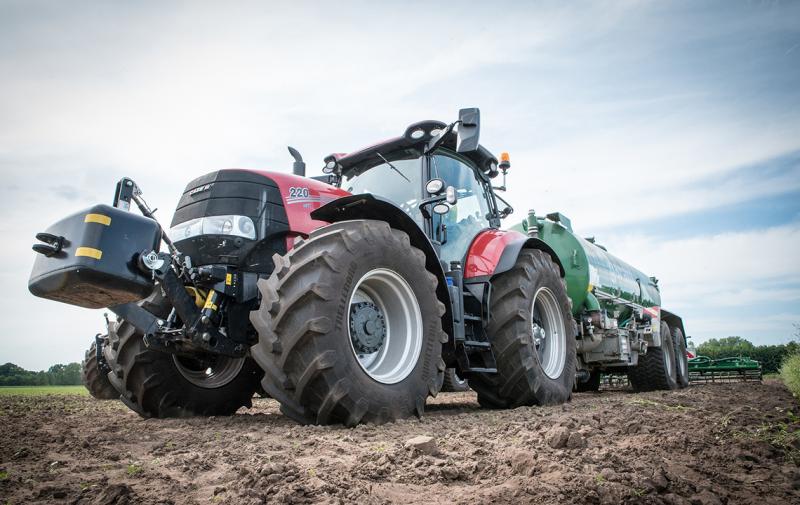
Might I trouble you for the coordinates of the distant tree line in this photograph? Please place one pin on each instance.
(56, 375)
(770, 356)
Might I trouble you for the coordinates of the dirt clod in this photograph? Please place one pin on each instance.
(115, 494)
(575, 440)
(557, 437)
(422, 444)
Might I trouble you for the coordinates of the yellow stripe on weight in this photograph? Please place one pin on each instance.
(98, 218)
(89, 252)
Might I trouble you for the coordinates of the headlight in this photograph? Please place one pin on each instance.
(237, 226)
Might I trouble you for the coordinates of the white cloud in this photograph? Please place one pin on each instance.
(643, 172)
(724, 284)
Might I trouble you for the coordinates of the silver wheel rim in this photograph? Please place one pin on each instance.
(218, 372)
(400, 349)
(668, 363)
(549, 333)
(683, 361)
(669, 357)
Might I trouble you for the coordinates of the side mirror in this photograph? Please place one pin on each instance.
(439, 203)
(441, 208)
(469, 129)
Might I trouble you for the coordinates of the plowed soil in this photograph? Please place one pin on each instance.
(724, 443)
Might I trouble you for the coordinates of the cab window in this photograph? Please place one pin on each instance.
(470, 215)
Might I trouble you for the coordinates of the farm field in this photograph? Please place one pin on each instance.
(710, 444)
(42, 390)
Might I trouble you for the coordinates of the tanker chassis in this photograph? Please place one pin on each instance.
(347, 296)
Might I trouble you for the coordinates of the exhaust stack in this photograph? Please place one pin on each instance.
(299, 166)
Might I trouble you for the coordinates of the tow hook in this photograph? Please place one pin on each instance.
(52, 244)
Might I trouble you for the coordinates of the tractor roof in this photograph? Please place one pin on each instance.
(367, 157)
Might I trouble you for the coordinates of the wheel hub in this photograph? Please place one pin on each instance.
(210, 372)
(367, 327)
(539, 334)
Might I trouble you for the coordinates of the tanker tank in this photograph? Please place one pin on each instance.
(596, 279)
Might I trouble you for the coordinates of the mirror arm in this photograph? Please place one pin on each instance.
(423, 205)
(507, 211)
(503, 187)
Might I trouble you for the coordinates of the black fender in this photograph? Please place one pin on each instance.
(512, 250)
(368, 206)
(672, 321)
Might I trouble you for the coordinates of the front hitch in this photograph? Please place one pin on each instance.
(198, 332)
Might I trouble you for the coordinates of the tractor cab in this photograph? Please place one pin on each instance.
(434, 174)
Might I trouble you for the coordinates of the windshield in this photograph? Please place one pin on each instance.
(403, 188)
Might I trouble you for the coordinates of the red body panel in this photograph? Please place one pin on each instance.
(301, 196)
(486, 249)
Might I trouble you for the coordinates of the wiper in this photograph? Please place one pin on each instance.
(393, 167)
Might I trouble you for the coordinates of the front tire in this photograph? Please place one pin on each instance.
(158, 384)
(94, 379)
(532, 334)
(656, 369)
(350, 327)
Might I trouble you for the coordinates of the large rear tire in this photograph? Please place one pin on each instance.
(158, 384)
(681, 359)
(453, 383)
(532, 334)
(656, 369)
(94, 379)
(350, 327)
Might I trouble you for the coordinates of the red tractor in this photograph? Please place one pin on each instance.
(344, 296)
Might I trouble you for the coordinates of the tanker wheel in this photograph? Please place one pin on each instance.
(591, 384)
(94, 379)
(453, 383)
(657, 368)
(157, 384)
(532, 335)
(350, 327)
(681, 359)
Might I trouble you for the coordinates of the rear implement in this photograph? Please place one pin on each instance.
(703, 370)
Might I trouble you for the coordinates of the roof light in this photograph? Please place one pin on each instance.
(505, 161)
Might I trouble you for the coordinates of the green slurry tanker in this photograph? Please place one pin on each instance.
(622, 327)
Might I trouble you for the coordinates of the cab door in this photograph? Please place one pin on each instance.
(470, 214)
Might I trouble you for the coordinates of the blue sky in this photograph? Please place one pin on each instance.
(669, 130)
